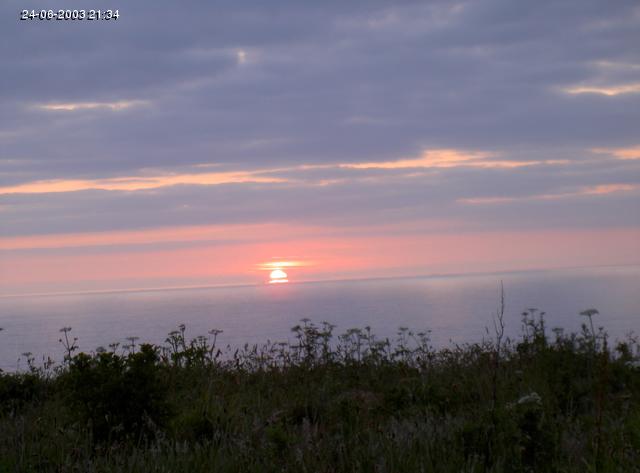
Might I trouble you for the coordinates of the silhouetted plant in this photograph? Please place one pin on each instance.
(70, 345)
(131, 346)
(322, 403)
(118, 395)
(589, 313)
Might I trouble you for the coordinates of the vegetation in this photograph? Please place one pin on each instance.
(561, 403)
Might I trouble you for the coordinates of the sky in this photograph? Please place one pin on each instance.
(206, 142)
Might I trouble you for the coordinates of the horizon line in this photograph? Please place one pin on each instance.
(309, 281)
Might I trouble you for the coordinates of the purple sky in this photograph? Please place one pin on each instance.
(353, 123)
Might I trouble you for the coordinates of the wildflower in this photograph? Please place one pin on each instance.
(531, 398)
(590, 313)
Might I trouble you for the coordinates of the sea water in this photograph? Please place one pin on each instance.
(456, 309)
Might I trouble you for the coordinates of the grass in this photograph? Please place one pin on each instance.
(351, 403)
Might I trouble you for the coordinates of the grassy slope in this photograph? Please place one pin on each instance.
(324, 405)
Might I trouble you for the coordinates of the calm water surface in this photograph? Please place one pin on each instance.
(456, 309)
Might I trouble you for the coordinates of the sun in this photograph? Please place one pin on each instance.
(278, 276)
(277, 266)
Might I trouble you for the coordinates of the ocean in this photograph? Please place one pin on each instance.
(456, 309)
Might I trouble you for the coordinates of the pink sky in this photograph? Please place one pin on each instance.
(108, 261)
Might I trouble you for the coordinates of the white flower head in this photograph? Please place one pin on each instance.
(531, 398)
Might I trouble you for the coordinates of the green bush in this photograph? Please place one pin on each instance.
(17, 390)
(118, 396)
(351, 404)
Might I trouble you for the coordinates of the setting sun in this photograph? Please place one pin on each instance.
(278, 276)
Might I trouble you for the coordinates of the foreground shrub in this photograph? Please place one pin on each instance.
(118, 395)
(17, 390)
(354, 404)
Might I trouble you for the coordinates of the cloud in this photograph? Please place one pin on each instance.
(449, 158)
(598, 190)
(242, 56)
(364, 82)
(78, 106)
(348, 197)
(620, 153)
(137, 183)
(609, 91)
(430, 159)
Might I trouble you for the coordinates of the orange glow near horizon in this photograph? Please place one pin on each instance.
(335, 256)
(276, 272)
(282, 264)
